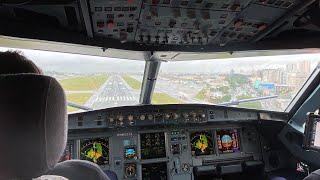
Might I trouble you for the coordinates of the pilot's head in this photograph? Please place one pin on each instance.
(16, 63)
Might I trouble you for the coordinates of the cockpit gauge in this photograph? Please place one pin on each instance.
(130, 152)
(201, 143)
(130, 170)
(95, 150)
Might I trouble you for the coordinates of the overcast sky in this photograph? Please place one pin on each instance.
(74, 63)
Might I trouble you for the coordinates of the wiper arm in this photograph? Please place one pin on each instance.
(237, 102)
(78, 106)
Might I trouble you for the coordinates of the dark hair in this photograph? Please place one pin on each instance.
(13, 62)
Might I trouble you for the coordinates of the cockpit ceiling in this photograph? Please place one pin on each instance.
(151, 25)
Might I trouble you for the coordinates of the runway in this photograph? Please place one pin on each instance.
(115, 92)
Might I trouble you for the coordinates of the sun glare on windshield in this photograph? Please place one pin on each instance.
(262, 82)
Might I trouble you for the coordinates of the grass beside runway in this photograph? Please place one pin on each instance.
(252, 105)
(132, 82)
(84, 83)
(78, 98)
(163, 98)
(201, 95)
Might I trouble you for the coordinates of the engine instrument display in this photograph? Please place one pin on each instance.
(130, 152)
(67, 153)
(95, 150)
(201, 143)
(153, 145)
(228, 141)
(154, 171)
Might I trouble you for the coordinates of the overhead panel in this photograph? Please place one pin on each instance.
(116, 19)
(185, 22)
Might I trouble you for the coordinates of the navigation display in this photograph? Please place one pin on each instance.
(95, 150)
(201, 143)
(67, 153)
(227, 141)
(130, 152)
(153, 145)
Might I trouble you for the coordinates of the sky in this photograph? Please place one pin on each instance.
(74, 63)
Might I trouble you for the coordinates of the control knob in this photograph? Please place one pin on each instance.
(167, 115)
(142, 117)
(150, 117)
(111, 119)
(130, 118)
(120, 118)
(185, 167)
(175, 116)
(203, 115)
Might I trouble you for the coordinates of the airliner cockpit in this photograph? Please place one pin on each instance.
(160, 89)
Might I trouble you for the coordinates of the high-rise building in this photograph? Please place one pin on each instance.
(273, 76)
(304, 67)
(291, 68)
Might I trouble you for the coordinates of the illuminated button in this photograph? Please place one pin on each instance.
(203, 115)
(100, 24)
(174, 139)
(111, 120)
(142, 117)
(110, 24)
(261, 27)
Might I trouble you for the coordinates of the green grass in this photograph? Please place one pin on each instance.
(225, 98)
(163, 98)
(252, 105)
(133, 83)
(78, 98)
(244, 97)
(85, 83)
(201, 95)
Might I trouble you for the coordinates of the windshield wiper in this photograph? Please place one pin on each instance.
(237, 102)
(78, 106)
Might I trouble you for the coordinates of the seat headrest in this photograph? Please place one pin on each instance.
(33, 129)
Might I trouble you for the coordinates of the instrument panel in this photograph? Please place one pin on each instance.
(167, 142)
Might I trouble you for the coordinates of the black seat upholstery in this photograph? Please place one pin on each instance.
(79, 170)
(33, 129)
(33, 125)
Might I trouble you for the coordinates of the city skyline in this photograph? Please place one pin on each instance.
(74, 63)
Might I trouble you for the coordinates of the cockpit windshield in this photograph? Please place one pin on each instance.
(259, 82)
(91, 81)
